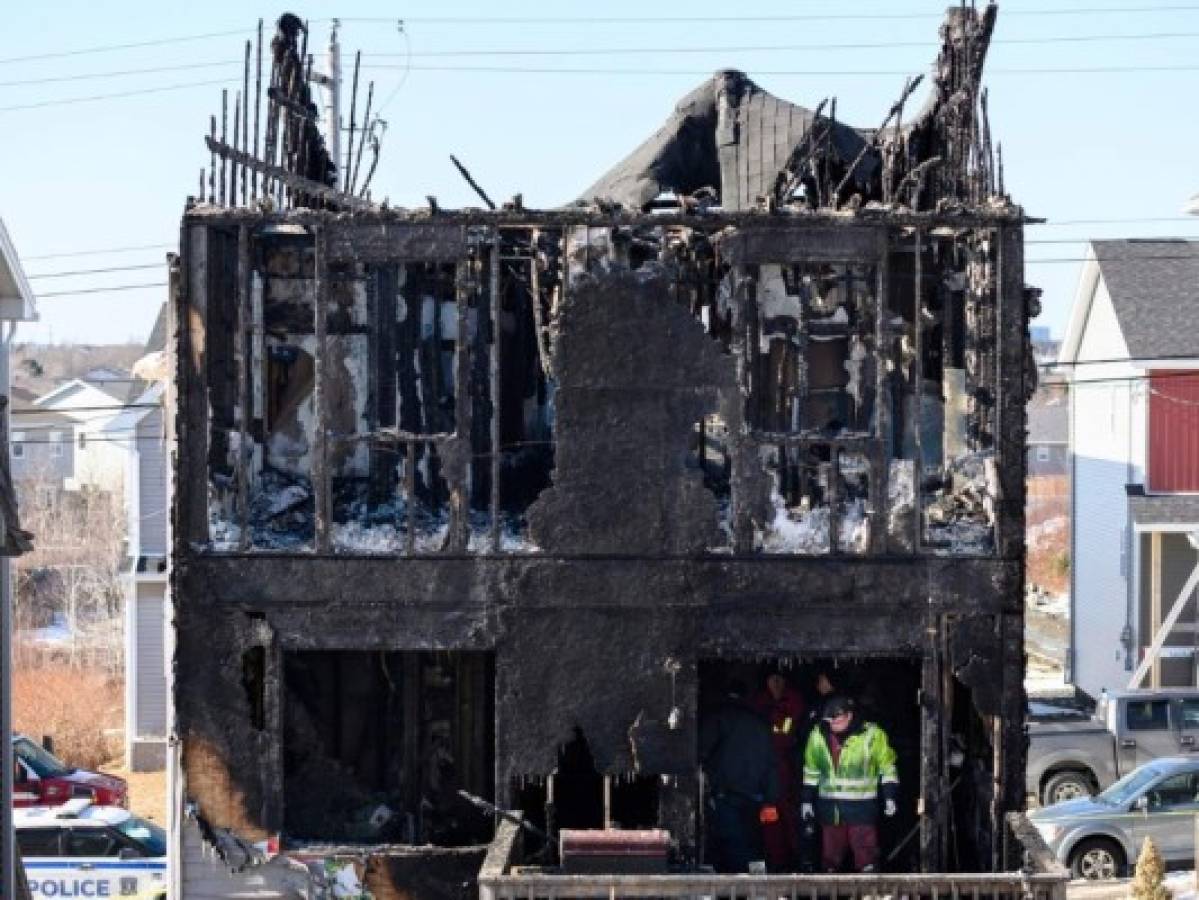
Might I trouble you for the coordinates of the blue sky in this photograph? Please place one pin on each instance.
(1082, 145)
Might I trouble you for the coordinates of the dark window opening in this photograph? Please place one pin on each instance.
(377, 745)
(970, 757)
(253, 682)
(885, 691)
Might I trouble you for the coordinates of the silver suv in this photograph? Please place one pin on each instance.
(1098, 837)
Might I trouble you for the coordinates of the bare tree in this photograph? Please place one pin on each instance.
(74, 573)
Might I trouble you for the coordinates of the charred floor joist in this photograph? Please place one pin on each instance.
(482, 500)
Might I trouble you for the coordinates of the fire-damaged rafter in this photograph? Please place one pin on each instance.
(733, 141)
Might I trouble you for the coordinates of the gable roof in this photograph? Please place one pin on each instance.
(103, 394)
(1154, 286)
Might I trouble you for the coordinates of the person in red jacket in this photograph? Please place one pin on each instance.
(783, 708)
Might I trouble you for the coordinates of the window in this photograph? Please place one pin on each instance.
(17, 443)
(1042, 454)
(38, 841)
(45, 496)
(82, 439)
(1190, 714)
(91, 842)
(56, 443)
(1148, 715)
(1177, 790)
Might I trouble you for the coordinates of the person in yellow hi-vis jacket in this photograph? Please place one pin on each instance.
(847, 762)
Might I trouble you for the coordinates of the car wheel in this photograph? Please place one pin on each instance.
(1066, 786)
(1097, 859)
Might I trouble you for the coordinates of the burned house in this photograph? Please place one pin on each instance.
(496, 501)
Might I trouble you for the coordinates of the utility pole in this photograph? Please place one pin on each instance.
(331, 82)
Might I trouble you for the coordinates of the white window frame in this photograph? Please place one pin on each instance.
(16, 445)
(1042, 453)
(56, 443)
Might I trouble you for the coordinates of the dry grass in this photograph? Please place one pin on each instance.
(1048, 546)
(82, 710)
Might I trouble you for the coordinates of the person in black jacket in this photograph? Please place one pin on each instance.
(738, 759)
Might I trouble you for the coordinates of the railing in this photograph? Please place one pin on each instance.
(1041, 878)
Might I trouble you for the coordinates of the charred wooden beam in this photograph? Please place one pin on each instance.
(330, 195)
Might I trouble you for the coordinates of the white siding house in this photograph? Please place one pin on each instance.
(1135, 319)
(140, 434)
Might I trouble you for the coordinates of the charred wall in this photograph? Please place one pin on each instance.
(599, 451)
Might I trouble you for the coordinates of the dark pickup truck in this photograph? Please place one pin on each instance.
(1071, 754)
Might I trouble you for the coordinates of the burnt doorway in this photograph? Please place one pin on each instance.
(576, 795)
(885, 690)
(377, 745)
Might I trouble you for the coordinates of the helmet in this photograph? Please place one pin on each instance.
(837, 705)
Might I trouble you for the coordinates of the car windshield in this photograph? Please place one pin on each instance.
(149, 835)
(1129, 786)
(40, 762)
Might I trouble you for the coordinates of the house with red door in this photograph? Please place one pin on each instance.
(1131, 360)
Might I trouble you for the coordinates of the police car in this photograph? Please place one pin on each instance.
(79, 850)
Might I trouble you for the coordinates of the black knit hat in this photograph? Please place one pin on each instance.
(837, 705)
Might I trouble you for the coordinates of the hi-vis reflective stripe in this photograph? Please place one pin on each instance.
(784, 728)
(848, 795)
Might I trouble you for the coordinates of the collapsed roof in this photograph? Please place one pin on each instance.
(732, 144)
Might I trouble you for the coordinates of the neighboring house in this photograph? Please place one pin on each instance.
(1048, 432)
(1131, 354)
(90, 405)
(139, 433)
(41, 445)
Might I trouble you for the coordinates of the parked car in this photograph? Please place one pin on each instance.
(1072, 756)
(42, 779)
(1097, 837)
(81, 850)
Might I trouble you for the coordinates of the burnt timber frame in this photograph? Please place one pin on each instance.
(614, 617)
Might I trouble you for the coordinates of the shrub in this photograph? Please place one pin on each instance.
(81, 709)
(1150, 880)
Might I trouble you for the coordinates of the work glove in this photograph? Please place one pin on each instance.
(807, 811)
(768, 814)
(889, 808)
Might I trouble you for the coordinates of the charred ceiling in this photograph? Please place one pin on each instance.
(513, 480)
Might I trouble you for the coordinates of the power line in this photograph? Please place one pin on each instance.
(591, 20)
(105, 48)
(103, 290)
(99, 251)
(772, 48)
(116, 407)
(119, 72)
(591, 51)
(695, 73)
(1167, 357)
(809, 17)
(157, 265)
(155, 90)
